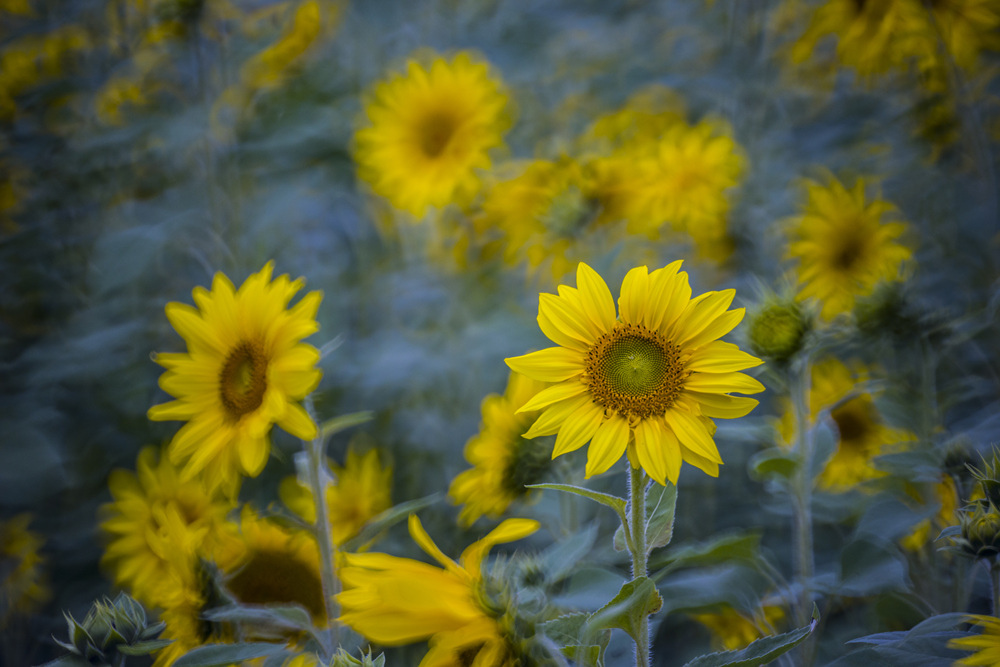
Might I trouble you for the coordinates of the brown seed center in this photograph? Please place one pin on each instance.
(436, 132)
(243, 379)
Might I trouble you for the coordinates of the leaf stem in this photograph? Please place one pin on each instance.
(637, 523)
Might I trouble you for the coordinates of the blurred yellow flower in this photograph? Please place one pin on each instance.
(23, 583)
(395, 601)
(842, 246)
(926, 531)
(29, 61)
(117, 94)
(503, 461)
(150, 507)
(361, 491)
(268, 69)
(732, 630)
(985, 647)
(427, 132)
(648, 381)
(243, 371)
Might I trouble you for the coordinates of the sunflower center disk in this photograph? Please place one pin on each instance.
(634, 371)
(436, 132)
(243, 379)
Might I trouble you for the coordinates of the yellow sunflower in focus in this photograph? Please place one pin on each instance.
(23, 586)
(395, 601)
(428, 132)
(985, 647)
(732, 630)
(244, 370)
(361, 491)
(150, 507)
(842, 246)
(504, 462)
(648, 381)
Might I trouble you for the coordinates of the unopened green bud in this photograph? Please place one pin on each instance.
(981, 531)
(778, 330)
(988, 478)
(345, 659)
(112, 627)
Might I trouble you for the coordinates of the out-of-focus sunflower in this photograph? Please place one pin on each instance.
(395, 601)
(23, 586)
(947, 496)
(361, 491)
(985, 647)
(150, 506)
(842, 246)
(244, 370)
(732, 630)
(504, 461)
(648, 381)
(427, 132)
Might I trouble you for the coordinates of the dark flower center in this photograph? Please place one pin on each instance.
(436, 132)
(243, 379)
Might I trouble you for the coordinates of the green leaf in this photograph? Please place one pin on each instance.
(619, 540)
(223, 655)
(385, 520)
(774, 462)
(279, 618)
(636, 600)
(660, 519)
(144, 648)
(614, 502)
(567, 631)
(759, 652)
(344, 422)
(722, 549)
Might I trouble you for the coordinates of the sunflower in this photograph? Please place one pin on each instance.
(649, 381)
(985, 647)
(23, 584)
(503, 461)
(732, 630)
(843, 248)
(395, 601)
(151, 506)
(243, 372)
(946, 495)
(361, 491)
(428, 131)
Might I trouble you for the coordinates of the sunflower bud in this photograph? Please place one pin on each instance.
(345, 659)
(778, 330)
(988, 478)
(112, 627)
(980, 532)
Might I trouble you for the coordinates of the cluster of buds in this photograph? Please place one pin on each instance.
(112, 628)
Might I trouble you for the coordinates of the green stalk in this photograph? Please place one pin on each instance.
(995, 583)
(637, 523)
(802, 488)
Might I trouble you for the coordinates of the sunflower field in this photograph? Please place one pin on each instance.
(499, 333)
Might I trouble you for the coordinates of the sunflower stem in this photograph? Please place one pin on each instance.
(799, 382)
(318, 483)
(637, 507)
(995, 587)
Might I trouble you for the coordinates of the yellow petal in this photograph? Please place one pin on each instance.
(565, 317)
(425, 542)
(550, 421)
(634, 296)
(608, 445)
(722, 383)
(597, 301)
(553, 364)
(722, 406)
(658, 451)
(702, 312)
(563, 390)
(691, 433)
(578, 428)
(721, 357)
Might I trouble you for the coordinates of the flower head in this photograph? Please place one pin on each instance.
(843, 248)
(361, 491)
(427, 132)
(504, 461)
(244, 370)
(985, 647)
(649, 380)
(394, 601)
(23, 585)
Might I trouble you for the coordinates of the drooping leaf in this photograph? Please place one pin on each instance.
(223, 655)
(724, 548)
(661, 502)
(636, 600)
(774, 462)
(759, 652)
(385, 520)
(344, 422)
(614, 502)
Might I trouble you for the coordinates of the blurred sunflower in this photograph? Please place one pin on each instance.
(503, 461)
(243, 372)
(150, 508)
(649, 381)
(732, 630)
(395, 601)
(946, 495)
(427, 133)
(23, 586)
(985, 647)
(361, 491)
(842, 246)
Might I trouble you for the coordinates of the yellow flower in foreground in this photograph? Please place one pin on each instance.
(842, 246)
(649, 381)
(243, 371)
(503, 460)
(361, 491)
(985, 647)
(150, 507)
(394, 601)
(732, 630)
(23, 586)
(428, 131)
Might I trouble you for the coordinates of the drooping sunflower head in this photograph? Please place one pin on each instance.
(428, 131)
(23, 586)
(150, 506)
(843, 247)
(245, 370)
(503, 460)
(361, 491)
(648, 380)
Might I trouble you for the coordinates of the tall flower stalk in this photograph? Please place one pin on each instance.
(637, 523)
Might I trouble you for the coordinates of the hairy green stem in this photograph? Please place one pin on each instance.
(318, 482)
(802, 492)
(995, 585)
(637, 524)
